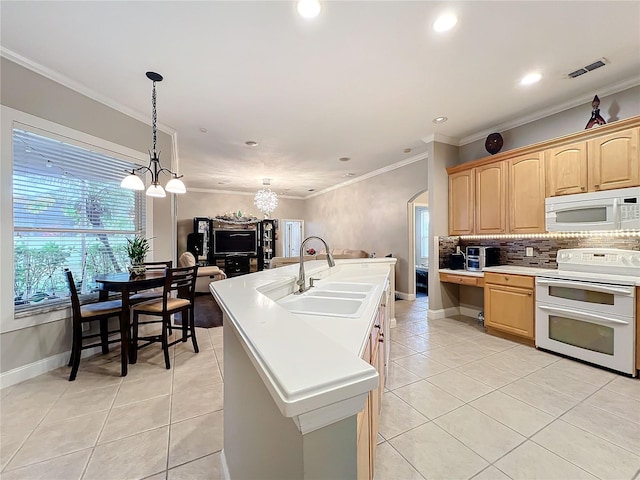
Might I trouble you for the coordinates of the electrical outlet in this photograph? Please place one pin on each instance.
(85, 327)
(528, 252)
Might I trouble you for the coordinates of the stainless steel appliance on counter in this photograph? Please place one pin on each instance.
(479, 257)
(586, 308)
(607, 210)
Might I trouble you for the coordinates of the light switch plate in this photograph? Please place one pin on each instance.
(528, 252)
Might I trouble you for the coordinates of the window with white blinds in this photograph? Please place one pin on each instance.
(68, 212)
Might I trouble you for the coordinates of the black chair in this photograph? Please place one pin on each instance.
(155, 293)
(180, 282)
(101, 312)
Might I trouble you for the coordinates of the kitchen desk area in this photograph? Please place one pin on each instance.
(586, 309)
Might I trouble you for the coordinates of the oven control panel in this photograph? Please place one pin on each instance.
(599, 260)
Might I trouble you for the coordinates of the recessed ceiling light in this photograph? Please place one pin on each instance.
(251, 143)
(312, 190)
(203, 130)
(223, 182)
(349, 174)
(309, 8)
(344, 159)
(445, 22)
(530, 78)
(440, 119)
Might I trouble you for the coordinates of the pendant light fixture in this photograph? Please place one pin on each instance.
(133, 181)
(265, 199)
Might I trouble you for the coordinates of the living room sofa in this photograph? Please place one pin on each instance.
(336, 253)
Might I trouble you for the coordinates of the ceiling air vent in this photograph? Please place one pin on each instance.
(589, 68)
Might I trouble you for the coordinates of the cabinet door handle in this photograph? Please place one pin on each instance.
(596, 186)
(529, 293)
(584, 188)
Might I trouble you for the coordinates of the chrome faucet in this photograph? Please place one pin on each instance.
(301, 278)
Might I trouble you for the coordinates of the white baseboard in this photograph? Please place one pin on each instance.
(442, 313)
(225, 467)
(405, 296)
(26, 372)
(470, 311)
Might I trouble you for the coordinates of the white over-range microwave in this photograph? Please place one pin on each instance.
(607, 210)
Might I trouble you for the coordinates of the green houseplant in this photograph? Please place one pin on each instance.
(137, 250)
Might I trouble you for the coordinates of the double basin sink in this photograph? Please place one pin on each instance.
(333, 299)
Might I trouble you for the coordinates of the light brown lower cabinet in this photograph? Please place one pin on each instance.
(369, 418)
(509, 304)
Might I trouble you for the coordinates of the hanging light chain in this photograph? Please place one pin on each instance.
(154, 117)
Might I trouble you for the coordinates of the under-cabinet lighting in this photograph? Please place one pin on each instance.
(602, 233)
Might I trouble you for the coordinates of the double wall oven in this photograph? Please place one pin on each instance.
(586, 308)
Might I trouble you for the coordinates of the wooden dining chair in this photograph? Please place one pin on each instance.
(178, 296)
(156, 292)
(91, 312)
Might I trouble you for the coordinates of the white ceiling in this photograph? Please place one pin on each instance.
(363, 80)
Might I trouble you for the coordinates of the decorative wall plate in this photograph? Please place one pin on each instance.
(493, 143)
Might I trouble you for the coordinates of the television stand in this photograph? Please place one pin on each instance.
(236, 265)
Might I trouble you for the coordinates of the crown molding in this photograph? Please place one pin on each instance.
(237, 192)
(375, 173)
(438, 137)
(79, 88)
(540, 114)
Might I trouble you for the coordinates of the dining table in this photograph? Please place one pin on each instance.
(126, 284)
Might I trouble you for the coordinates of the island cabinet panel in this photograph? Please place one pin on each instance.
(638, 328)
(526, 193)
(509, 304)
(566, 168)
(462, 202)
(369, 419)
(363, 423)
(490, 188)
(614, 161)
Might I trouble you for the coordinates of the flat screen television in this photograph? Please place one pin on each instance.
(235, 242)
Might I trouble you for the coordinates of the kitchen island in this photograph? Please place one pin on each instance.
(295, 382)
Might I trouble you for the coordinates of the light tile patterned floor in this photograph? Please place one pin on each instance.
(459, 404)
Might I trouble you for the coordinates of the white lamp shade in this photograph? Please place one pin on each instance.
(175, 185)
(156, 191)
(132, 182)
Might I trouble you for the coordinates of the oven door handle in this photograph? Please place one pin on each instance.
(585, 286)
(579, 315)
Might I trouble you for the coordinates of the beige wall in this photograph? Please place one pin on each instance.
(210, 204)
(618, 106)
(441, 156)
(370, 215)
(29, 92)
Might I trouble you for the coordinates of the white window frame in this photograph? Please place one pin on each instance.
(10, 119)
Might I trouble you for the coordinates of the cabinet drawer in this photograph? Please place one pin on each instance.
(462, 279)
(522, 281)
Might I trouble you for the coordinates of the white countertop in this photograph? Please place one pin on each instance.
(306, 362)
(537, 271)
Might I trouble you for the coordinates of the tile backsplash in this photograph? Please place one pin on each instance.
(512, 250)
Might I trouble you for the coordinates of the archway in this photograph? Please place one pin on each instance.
(418, 237)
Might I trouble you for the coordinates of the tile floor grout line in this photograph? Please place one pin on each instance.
(4, 469)
(106, 418)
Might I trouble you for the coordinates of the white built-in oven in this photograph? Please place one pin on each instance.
(590, 320)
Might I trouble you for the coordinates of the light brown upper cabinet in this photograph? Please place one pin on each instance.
(461, 202)
(614, 161)
(526, 193)
(491, 207)
(566, 168)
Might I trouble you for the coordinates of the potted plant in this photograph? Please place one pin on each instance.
(137, 250)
